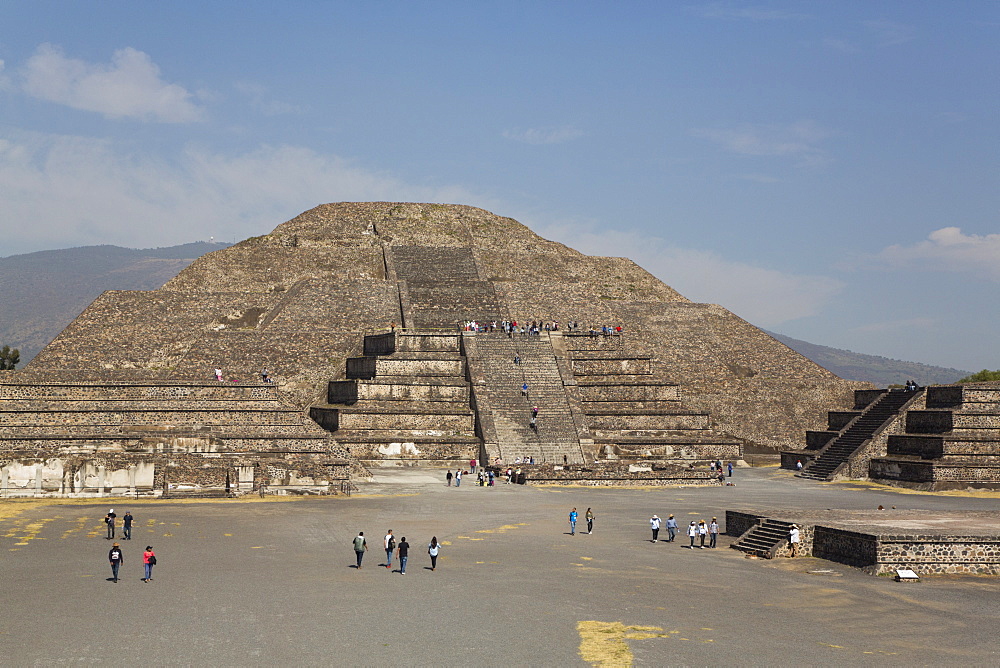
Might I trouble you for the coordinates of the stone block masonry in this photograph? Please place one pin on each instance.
(300, 299)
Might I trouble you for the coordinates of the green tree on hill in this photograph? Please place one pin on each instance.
(983, 376)
(9, 357)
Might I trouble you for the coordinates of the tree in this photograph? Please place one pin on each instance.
(983, 376)
(9, 357)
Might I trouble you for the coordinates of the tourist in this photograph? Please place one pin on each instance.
(692, 533)
(117, 558)
(264, 375)
(458, 478)
(589, 516)
(472, 465)
(572, 522)
(713, 532)
(702, 532)
(127, 526)
(389, 542)
(729, 465)
(517, 359)
(404, 551)
(654, 524)
(793, 539)
(533, 424)
(148, 561)
(449, 477)
(492, 477)
(360, 546)
(109, 519)
(524, 390)
(218, 374)
(433, 550)
(534, 411)
(798, 465)
(671, 529)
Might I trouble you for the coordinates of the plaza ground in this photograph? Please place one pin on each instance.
(251, 582)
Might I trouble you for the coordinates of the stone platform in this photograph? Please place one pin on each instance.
(881, 541)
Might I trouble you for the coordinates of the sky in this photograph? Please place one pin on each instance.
(826, 170)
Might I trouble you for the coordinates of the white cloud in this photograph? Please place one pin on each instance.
(61, 191)
(890, 33)
(896, 326)
(266, 105)
(840, 45)
(539, 136)
(948, 249)
(798, 140)
(128, 87)
(765, 297)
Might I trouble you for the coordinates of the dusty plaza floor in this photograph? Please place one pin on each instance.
(265, 583)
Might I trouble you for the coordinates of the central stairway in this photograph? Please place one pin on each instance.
(491, 358)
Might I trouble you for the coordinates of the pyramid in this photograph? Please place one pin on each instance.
(361, 313)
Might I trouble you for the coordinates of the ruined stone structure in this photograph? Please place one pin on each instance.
(355, 309)
(943, 437)
(877, 542)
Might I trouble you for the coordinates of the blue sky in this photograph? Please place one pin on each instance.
(828, 170)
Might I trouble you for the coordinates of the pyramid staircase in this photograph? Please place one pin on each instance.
(556, 436)
(765, 539)
(873, 419)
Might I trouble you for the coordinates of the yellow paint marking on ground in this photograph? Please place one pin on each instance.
(826, 644)
(257, 547)
(705, 628)
(446, 542)
(484, 531)
(227, 534)
(477, 539)
(177, 524)
(168, 535)
(20, 543)
(603, 643)
(587, 558)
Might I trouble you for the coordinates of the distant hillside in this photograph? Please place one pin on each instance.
(882, 371)
(44, 291)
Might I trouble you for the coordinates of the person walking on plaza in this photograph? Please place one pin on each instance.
(702, 532)
(148, 561)
(360, 547)
(589, 516)
(692, 533)
(109, 519)
(127, 526)
(713, 532)
(671, 529)
(117, 558)
(390, 545)
(793, 539)
(433, 549)
(730, 467)
(572, 522)
(458, 478)
(654, 524)
(448, 477)
(404, 552)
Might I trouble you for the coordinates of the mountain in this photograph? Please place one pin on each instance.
(882, 371)
(44, 291)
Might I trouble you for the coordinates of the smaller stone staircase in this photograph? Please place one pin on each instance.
(859, 431)
(765, 539)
